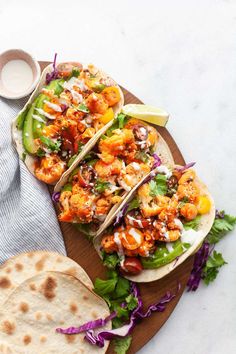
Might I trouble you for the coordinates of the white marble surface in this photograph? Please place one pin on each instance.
(180, 55)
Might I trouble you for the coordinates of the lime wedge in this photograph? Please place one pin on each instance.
(147, 113)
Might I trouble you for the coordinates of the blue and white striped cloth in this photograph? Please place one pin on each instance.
(27, 216)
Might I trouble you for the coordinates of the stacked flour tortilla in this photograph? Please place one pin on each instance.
(39, 292)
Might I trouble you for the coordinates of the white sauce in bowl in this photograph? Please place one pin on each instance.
(17, 76)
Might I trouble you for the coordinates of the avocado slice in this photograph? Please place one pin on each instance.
(55, 85)
(21, 118)
(31, 127)
(28, 138)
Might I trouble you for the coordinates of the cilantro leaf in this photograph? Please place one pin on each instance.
(104, 287)
(82, 108)
(75, 72)
(212, 266)
(101, 186)
(122, 288)
(50, 144)
(121, 345)
(132, 302)
(134, 204)
(40, 152)
(158, 186)
(220, 228)
(110, 260)
(192, 224)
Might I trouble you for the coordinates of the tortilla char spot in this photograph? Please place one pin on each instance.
(26, 339)
(49, 317)
(70, 338)
(71, 271)
(40, 264)
(59, 260)
(19, 267)
(32, 287)
(48, 288)
(73, 307)
(94, 314)
(30, 254)
(24, 307)
(43, 339)
(8, 270)
(85, 297)
(4, 283)
(38, 316)
(8, 327)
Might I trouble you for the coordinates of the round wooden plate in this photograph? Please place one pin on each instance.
(80, 250)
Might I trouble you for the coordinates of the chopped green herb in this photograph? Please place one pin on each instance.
(132, 302)
(101, 186)
(50, 144)
(83, 108)
(220, 228)
(158, 186)
(211, 269)
(104, 287)
(134, 204)
(122, 288)
(110, 260)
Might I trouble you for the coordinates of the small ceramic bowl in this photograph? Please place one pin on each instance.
(18, 54)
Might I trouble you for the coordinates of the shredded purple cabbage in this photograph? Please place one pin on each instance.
(87, 326)
(157, 161)
(183, 168)
(136, 315)
(220, 214)
(54, 74)
(200, 260)
(120, 215)
(56, 197)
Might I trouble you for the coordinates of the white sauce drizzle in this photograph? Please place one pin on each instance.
(119, 244)
(45, 114)
(190, 236)
(169, 247)
(135, 235)
(53, 106)
(38, 118)
(165, 170)
(179, 224)
(135, 166)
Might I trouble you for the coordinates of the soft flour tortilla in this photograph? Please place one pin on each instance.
(19, 268)
(41, 304)
(148, 275)
(17, 134)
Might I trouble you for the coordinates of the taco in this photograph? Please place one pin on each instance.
(41, 304)
(70, 107)
(161, 224)
(122, 157)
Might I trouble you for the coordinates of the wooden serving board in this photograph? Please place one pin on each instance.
(80, 250)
